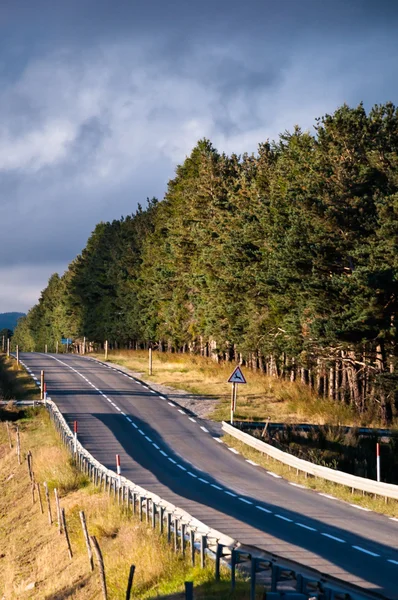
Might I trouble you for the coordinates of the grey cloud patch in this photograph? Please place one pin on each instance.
(96, 122)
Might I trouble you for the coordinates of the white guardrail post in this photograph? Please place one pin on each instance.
(387, 490)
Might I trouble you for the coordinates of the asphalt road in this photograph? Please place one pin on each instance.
(183, 459)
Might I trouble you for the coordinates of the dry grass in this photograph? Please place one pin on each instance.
(32, 551)
(260, 398)
(19, 385)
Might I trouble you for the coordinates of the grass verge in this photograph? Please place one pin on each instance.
(376, 504)
(15, 383)
(260, 398)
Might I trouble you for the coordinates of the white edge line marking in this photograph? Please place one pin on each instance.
(230, 493)
(251, 462)
(360, 507)
(181, 411)
(192, 474)
(274, 475)
(233, 450)
(328, 496)
(171, 404)
(162, 397)
(264, 509)
(366, 551)
(192, 419)
(203, 480)
(393, 562)
(217, 487)
(204, 429)
(306, 526)
(332, 537)
(393, 519)
(218, 440)
(297, 485)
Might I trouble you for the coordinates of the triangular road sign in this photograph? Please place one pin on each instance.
(237, 376)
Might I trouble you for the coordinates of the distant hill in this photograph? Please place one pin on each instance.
(9, 320)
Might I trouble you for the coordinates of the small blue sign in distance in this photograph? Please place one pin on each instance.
(66, 341)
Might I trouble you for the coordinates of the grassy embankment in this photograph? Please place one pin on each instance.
(260, 398)
(34, 561)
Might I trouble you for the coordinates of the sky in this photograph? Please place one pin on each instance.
(100, 100)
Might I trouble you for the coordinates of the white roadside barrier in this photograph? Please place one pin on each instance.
(379, 488)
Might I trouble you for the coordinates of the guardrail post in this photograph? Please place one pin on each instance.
(175, 534)
(192, 544)
(161, 517)
(148, 503)
(153, 515)
(274, 577)
(203, 544)
(219, 551)
(168, 527)
(189, 590)
(233, 568)
(134, 503)
(183, 538)
(141, 500)
(299, 583)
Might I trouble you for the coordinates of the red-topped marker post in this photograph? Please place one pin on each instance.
(75, 437)
(236, 378)
(118, 469)
(378, 460)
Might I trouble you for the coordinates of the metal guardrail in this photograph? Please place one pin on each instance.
(379, 488)
(284, 578)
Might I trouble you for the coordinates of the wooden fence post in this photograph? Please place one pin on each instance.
(50, 518)
(18, 446)
(59, 519)
(130, 582)
(87, 539)
(101, 567)
(39, 495)
(8, 433)
(66, 533)
(30, 465)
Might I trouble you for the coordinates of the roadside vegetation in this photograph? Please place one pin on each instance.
(261, 398)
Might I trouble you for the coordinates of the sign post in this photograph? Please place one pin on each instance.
(236, 378)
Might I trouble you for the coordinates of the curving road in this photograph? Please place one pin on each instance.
(181, 458)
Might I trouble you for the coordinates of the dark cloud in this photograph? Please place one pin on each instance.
(100, 100)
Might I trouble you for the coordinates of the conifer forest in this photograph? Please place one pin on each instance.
(286, 260)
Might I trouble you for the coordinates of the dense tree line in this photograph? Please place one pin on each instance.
(286, 260)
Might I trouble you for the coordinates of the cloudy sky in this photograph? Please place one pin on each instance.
(99, 100)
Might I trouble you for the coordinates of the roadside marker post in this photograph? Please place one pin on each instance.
(118, 469)
(236, 378)
(150, 360)
(378, 460)
(8, 347)
(56, 347)
(106, 349)
(17, 355)
(45, 349)
(75, 437)
(41, 385)
(45, 392)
